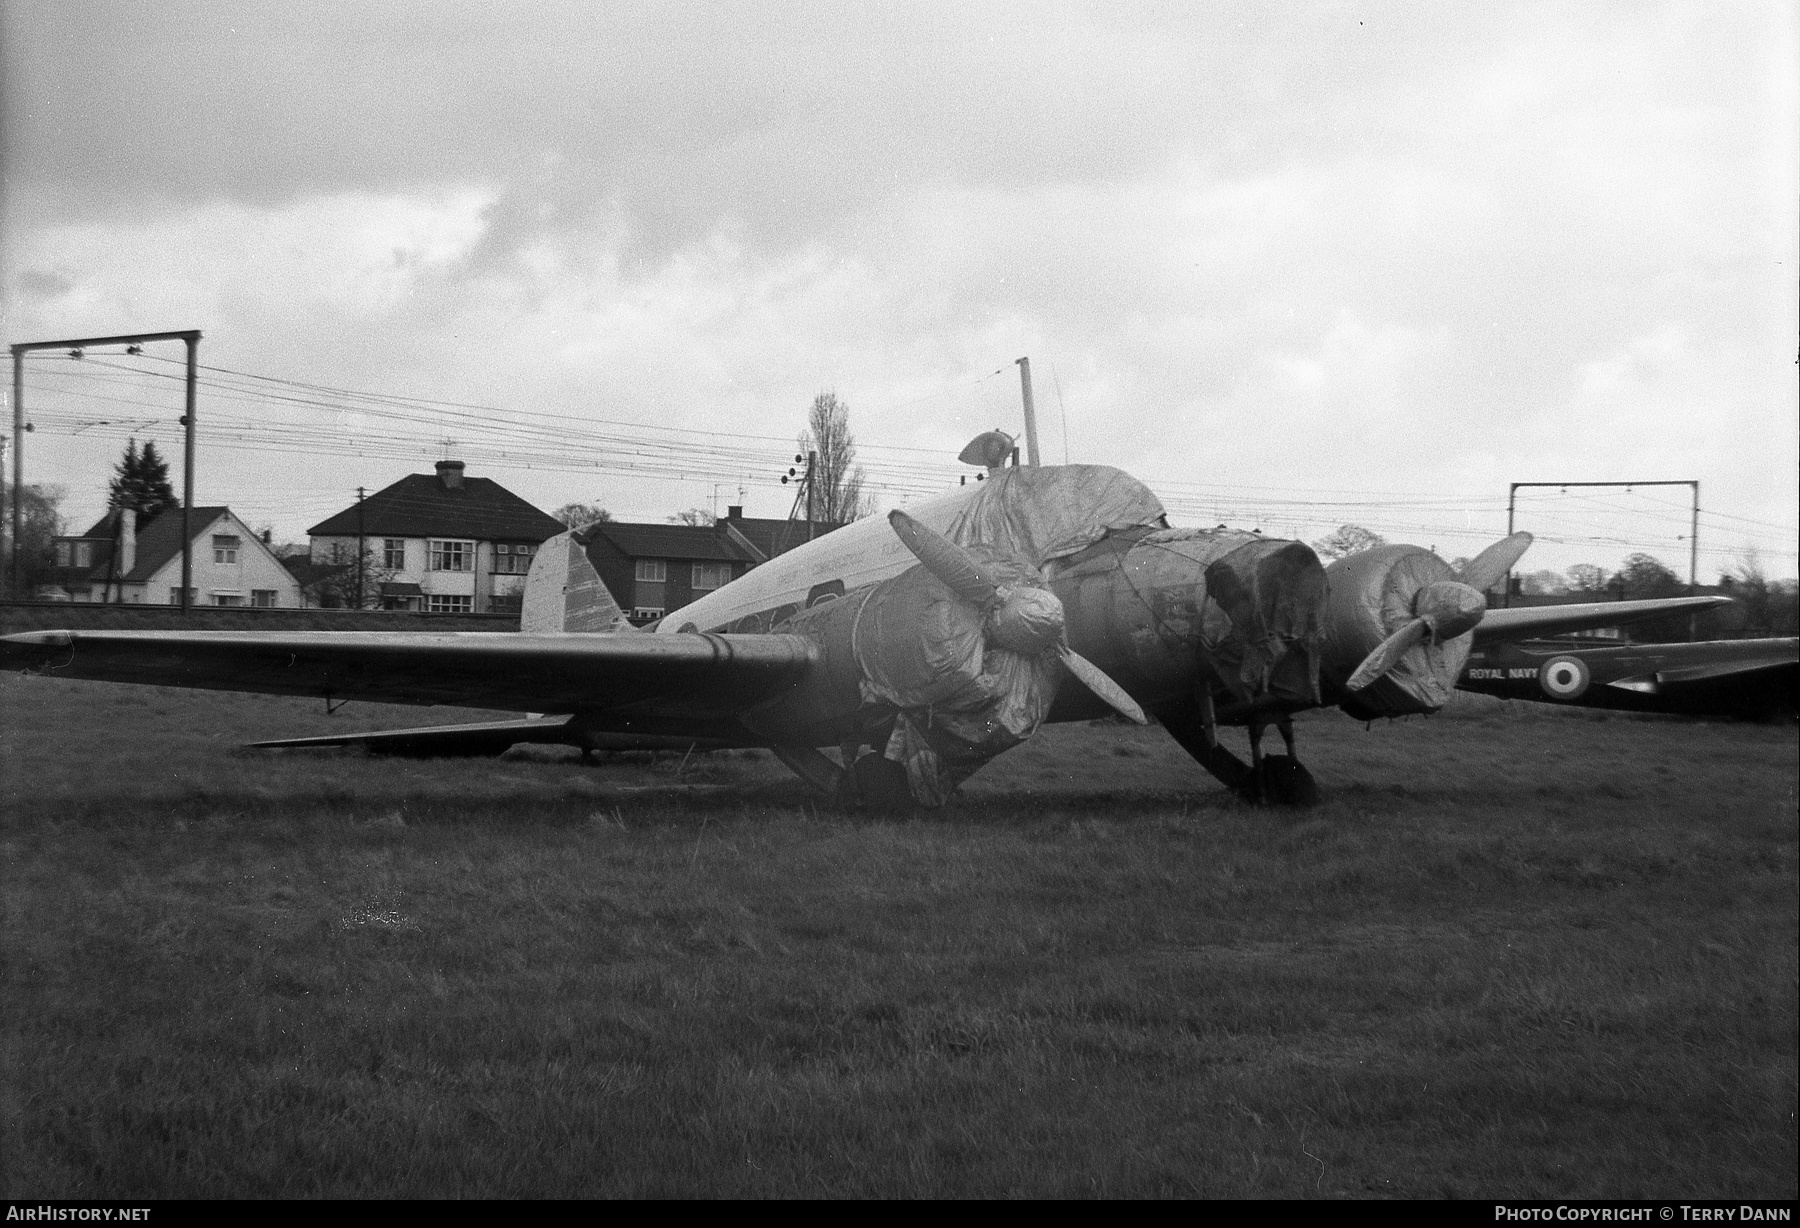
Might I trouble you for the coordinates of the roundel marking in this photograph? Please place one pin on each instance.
(1564, 677)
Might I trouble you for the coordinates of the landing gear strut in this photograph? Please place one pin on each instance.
(1266, 779)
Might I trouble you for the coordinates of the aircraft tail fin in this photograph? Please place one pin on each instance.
(565, 593)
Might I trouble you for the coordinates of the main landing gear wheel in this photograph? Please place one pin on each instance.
(1279, 780)
(1286, 782)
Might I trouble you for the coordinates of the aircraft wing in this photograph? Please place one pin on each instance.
(680, 681)
(1530, 622)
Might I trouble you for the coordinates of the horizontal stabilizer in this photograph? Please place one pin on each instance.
(1530, 622)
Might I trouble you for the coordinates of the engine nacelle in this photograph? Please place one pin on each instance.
(1373, 594)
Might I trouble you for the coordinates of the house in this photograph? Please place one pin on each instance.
(654, 569)
(443, 542)
(118, 560)
(764, 539)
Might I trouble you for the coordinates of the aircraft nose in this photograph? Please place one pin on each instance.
(1273, 592)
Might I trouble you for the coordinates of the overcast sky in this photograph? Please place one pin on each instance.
(1291, 264)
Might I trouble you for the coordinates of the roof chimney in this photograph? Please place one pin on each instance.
(450, 473)
(734, 511)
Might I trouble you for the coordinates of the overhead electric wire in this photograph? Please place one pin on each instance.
(386, 427)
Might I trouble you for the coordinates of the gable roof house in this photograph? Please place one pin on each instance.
(443, 543)
(117, 560)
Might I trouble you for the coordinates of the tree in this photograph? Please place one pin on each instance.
(141, 481)
(1769, 606)
(341, 588)
(40, 521)
(1644, 576)
(837, 496)
(695, 517)
(1346, 540)
(581, 515)
(1543, 582)
(1586, 578)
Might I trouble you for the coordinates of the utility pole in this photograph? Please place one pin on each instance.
(361, 548)
(187, 480)
(812, 461)
(1031, 440)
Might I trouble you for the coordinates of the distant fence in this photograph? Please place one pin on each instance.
(90, 616)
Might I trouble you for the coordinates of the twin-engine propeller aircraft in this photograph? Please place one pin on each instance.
(917, 646)
(1756, 679)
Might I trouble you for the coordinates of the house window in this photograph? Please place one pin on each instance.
(225, 548)
(711, 575)
(175, 596)
(506, 603)
(62, 554)
(84, 554)
(451, 556)
(393, 553)
(228, 599)
(646, 613)
(451, 605)
(652, 571)
(263, 598)
(512, 560)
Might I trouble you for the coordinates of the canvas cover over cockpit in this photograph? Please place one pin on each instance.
(1050, 513)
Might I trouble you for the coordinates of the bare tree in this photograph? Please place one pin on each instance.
(581, 515)
(40, 521)
(695, 518)
(838, 496)
(354, 581)
(1346, 540)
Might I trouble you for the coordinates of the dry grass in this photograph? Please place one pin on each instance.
(1517, 952)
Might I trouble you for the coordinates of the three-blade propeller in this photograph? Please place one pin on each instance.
(1024, 620)
(1444, 609)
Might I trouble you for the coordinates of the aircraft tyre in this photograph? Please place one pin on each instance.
(880, 783)
(1286, 782)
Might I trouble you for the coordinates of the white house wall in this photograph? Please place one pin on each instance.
(256, 568)
(481, 583)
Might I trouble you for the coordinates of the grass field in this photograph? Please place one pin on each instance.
(1516, 952)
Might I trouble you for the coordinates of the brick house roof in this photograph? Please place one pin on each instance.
(429, 505)
(671, 541)
(774, 537)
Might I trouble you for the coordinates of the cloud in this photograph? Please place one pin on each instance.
(1302, 245)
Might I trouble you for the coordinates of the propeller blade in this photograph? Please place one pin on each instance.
(960, 571)
(1387, 654)
(1489, 568)
(1094, 679)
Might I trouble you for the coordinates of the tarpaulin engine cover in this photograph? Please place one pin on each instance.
(1372, 596)
(961, 697)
